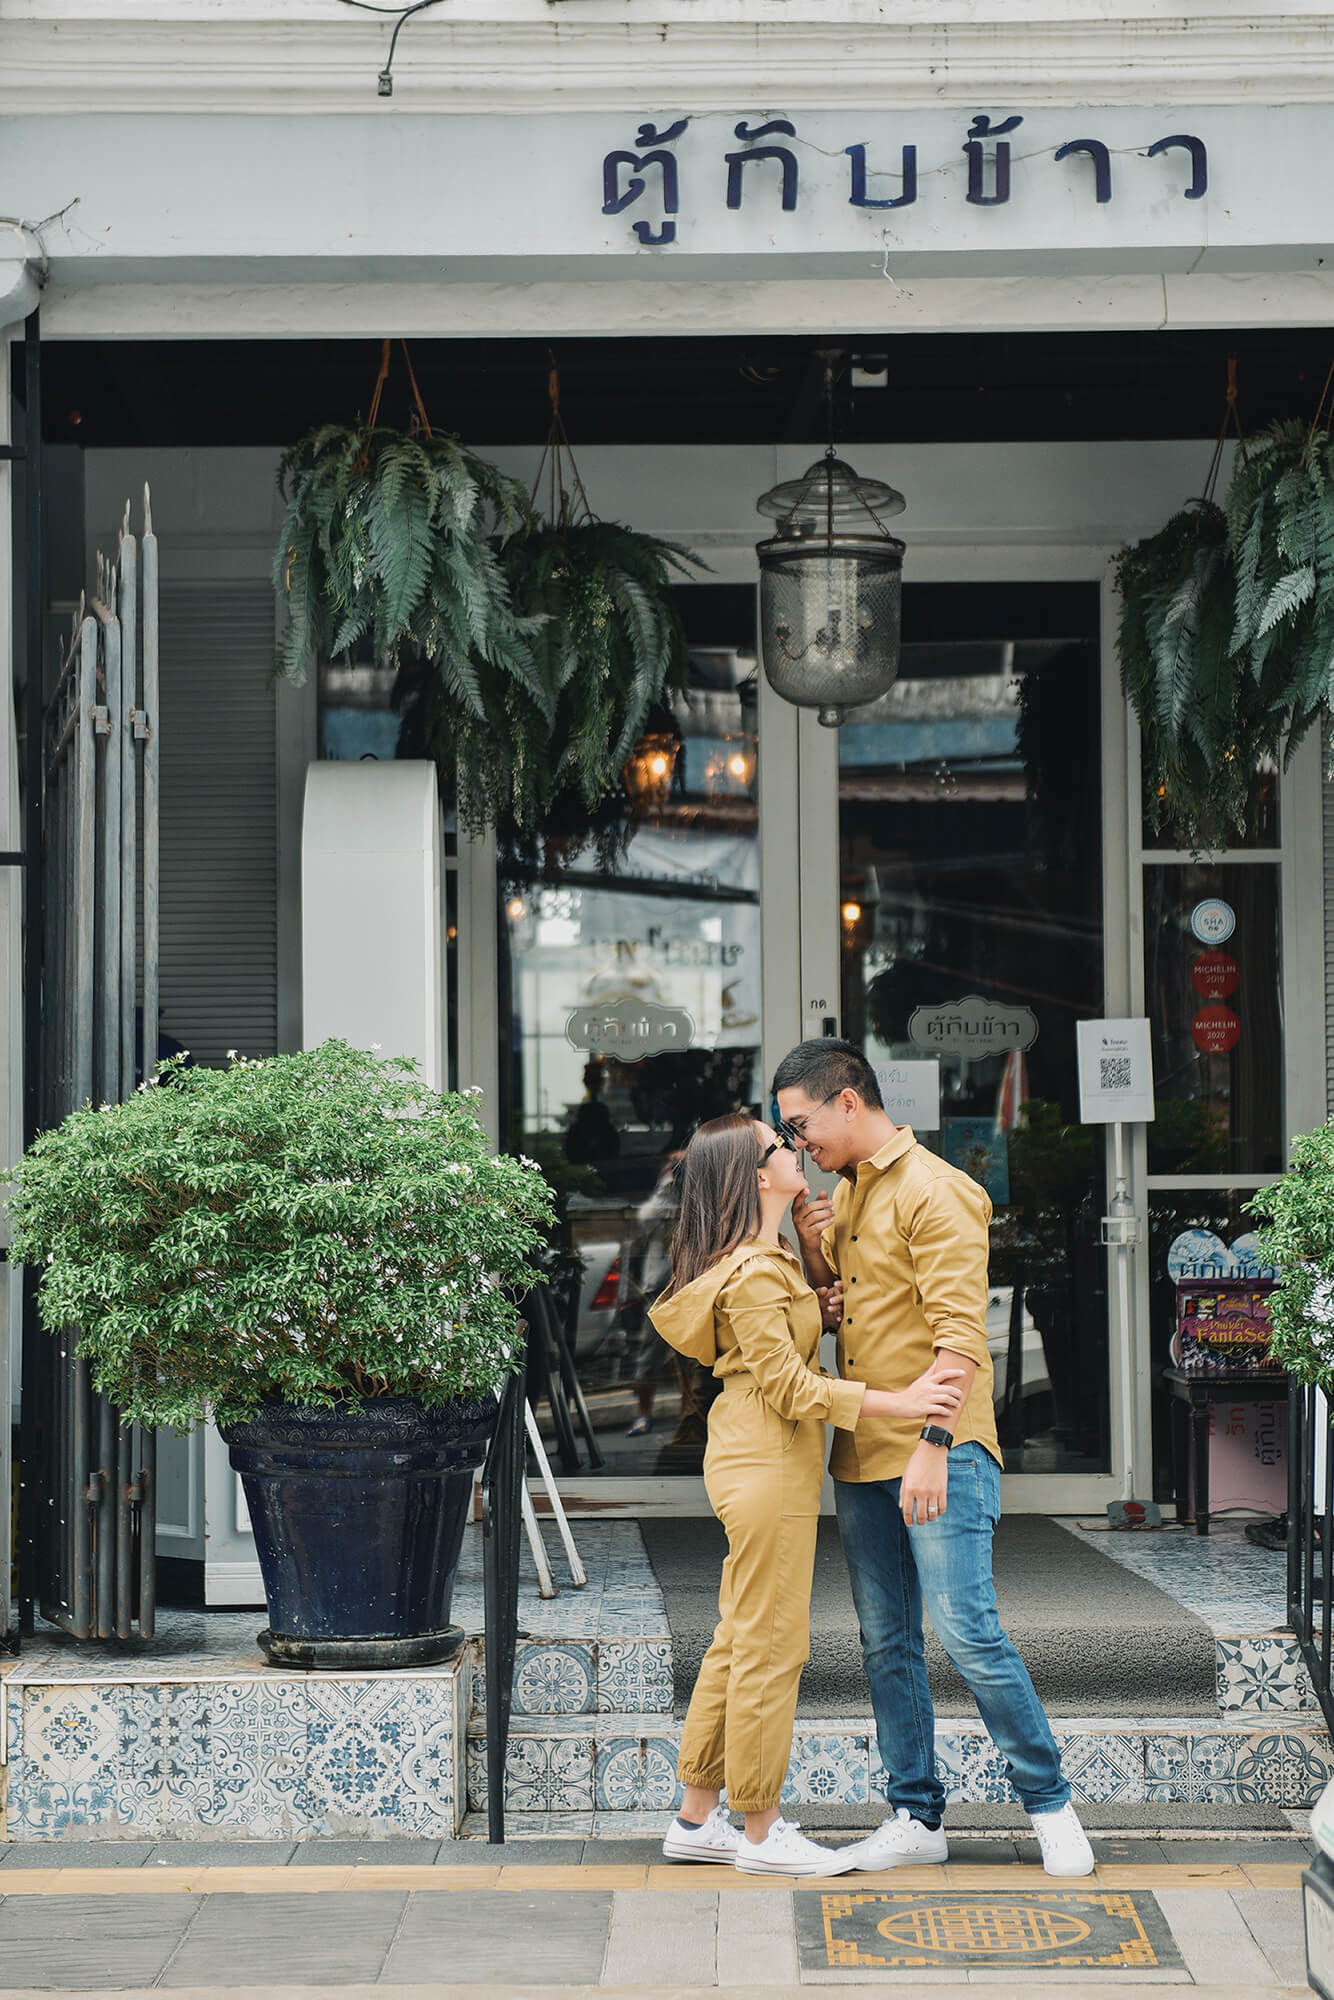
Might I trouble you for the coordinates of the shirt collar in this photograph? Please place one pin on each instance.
(780, 1249)
(900, 1141)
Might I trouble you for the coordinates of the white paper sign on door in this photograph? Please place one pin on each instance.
(911, 1093)
(1115, 1072)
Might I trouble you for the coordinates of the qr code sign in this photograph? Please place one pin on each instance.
(1115, 1072)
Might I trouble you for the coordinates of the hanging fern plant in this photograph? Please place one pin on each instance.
(544, 761)
(396, 542)
(1227, 628)
(1280, 513)
(1179, 674)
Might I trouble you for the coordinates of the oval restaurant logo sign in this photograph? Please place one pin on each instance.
(629, 1029)
(973, 1027)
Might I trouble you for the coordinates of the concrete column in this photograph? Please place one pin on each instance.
(371, 946)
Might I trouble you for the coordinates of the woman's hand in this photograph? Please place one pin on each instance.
(831, 1305)
(929, 1396)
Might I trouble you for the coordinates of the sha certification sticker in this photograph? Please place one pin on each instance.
(1213, 921)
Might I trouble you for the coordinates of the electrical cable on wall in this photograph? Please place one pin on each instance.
(385, 79)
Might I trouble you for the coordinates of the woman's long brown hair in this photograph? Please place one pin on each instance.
(720, 1196)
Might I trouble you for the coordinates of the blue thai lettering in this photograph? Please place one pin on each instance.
(982, 133)
(783, 154)
(1102, 164)
(859, 197)
(1199, 160)
(614, 200)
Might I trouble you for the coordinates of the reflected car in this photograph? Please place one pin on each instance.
(1034, 1379)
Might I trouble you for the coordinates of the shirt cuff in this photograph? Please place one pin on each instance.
(965, 1341)
(845, 1404)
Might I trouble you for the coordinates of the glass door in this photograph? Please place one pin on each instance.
(970, 850)
(632, 1009)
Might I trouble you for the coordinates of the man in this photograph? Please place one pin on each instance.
(903, 1249)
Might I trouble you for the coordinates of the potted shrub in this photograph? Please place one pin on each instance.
(320, 1253)
(1297, 1235)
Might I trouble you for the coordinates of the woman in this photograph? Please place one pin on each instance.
(739, 1302)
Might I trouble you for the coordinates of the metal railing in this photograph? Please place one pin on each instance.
(502, 1518)
(1311, 1535)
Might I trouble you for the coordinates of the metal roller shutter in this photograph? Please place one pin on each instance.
(219, 894)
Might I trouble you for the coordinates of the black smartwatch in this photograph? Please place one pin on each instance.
(937, 1434)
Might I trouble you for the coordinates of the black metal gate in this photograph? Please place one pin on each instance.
(87, 1495)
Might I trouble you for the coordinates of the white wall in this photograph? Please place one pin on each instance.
(219, 509)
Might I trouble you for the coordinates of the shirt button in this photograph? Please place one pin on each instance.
(854, 1239)
(848, 1320)
(852, 1281)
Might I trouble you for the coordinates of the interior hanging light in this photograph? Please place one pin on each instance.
(831, 585)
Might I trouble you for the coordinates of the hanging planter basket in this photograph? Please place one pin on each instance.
(1226, 638)
(394, 540)
(546, 762)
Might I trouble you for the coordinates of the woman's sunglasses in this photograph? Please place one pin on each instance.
(782, 1144)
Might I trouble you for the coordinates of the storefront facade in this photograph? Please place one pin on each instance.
(980, 833)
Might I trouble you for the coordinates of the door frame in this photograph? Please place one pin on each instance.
(1009, 561)
(799, 871)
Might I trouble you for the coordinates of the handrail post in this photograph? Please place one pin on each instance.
(502, 1503)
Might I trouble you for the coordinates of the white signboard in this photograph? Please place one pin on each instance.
(1115, 1072)
(911, 1093)
(1014, 186)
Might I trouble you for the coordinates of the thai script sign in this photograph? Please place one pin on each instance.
(973, 1027)
(765, 167)
(629, 1029)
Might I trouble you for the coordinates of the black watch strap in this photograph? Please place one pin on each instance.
(937, 1434)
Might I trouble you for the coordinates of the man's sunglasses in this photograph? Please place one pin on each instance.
(793, 1130)
(782, 1144)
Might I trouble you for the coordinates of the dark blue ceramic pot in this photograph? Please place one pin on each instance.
(358, 1514)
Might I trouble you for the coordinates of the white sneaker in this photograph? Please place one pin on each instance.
(715, 1839)
(899, 1842)
(1064, 1844)
(785, 1850)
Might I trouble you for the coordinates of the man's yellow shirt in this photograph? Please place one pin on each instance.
(909, 1240)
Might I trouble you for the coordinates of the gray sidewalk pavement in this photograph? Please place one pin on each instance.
(737, 1937)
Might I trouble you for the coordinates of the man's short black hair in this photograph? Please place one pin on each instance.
(824, 1066)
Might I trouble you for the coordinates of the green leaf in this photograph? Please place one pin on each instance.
(309, 1228)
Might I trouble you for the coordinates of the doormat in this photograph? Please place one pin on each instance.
(1027, 1930)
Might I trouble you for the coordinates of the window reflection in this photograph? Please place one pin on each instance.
(1220, 1212)
(632, 984)
(970, 844)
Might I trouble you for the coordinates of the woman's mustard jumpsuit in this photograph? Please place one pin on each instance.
(754, 1319)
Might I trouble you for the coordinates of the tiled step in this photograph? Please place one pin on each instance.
(218, 1756)
(1260, 1671)
(1257, 1672)
(608, 1764)
(626, 1675)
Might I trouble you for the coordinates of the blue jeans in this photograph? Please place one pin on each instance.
(946, 1565)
